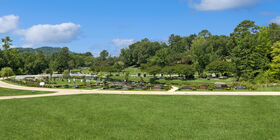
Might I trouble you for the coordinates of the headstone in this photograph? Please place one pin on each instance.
(214, 75)
(191, 86)
(220, 86)
(139, 87)
(133, 84)
(186, 88)
(42, 83)
(112, 85)
(139, 74)
(97, 83)
(125, 87)
(203, 87)
(157, 87)
(223, 77)
(145, 75)
(88, 86)
(241, 87)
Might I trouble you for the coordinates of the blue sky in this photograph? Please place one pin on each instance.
(94, 25)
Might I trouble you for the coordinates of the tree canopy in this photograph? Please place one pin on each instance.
(248, 52)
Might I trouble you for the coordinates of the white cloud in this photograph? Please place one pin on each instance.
(8, 23)
(123, 42)
(60, 33)
(276, 20)
(217, 5)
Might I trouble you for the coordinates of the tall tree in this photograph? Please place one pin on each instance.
(264, 44)
(177, 43)
(250, 52)
(139, 52)
(274, 30)
(201, 52)
(35, 63)
(204, 33)
(2, 60)
(6, 43)
(220, 47)
(245, 26)
(275, 65)
(161, 58)
(248, 60)
(60, 60)
(103, 55)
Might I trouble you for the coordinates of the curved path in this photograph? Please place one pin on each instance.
(60, 92)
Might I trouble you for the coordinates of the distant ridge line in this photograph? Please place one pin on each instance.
(45, 50)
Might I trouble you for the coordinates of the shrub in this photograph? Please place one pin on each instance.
(212, 87)
(264, 78)
(126, 76)
(118, 87)
(194, 88)
(131, 88)
(144, 88)
(152, 80)
(6, 72)
(220, 66)
(105, 87)
(66, 74)
(167, 87)
(203, 75)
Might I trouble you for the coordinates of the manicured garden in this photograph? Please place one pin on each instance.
(130, 117)
(90, 83)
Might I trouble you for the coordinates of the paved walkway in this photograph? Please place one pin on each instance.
(60, 92)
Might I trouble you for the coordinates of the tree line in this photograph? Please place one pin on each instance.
(250, 53)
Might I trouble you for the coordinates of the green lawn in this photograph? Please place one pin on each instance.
(268, 89)
(259, 89)
(129, 117)
(14, 92)
(133, 70)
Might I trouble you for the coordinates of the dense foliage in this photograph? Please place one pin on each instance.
(249, 53)
(6, 72)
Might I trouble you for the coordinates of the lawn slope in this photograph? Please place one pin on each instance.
(15, 92)
(130, 117)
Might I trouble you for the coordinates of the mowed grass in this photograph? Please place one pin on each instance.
(14, 92)
(129, 117)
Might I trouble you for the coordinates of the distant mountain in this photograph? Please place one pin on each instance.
(44, 50)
